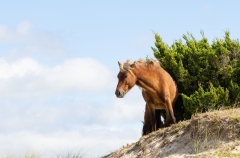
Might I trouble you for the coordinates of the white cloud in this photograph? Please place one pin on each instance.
(128, 110)
(24, 28)
(70, 104)
(51, 115)
(21, 34)
(26, 77)
(92, 142)
(19, 68)
(27, 42)
(97, 123)
(85, 74)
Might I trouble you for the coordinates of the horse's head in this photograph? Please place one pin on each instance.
(126, 80)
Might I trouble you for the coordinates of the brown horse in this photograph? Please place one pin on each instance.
(158, 88)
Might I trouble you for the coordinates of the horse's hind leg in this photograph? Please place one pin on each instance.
(169, 113)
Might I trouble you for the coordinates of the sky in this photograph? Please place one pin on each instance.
(58, 67)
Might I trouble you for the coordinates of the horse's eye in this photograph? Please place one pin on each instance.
(125, 76)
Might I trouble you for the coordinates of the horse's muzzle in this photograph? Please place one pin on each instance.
(120, 93)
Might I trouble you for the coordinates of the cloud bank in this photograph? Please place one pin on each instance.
(68, 104)
(27, 78)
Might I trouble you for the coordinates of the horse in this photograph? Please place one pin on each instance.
(158, 87)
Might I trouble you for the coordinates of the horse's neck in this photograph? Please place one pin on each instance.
(146, 79)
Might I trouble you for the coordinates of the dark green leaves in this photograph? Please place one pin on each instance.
(207, 74)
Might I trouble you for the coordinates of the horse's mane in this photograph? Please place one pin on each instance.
(129, 65)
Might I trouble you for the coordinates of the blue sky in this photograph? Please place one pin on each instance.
(58, 67)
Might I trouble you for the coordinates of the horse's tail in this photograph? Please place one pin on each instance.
(179, 108)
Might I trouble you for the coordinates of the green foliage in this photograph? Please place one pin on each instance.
(207, 74)
(201, 100)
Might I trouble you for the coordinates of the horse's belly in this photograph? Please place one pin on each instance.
(159, 106)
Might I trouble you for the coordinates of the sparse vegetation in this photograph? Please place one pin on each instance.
(211, 134)
(38, 155)
(70, 155)
(27, 155)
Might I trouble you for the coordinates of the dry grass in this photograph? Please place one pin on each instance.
(211, 134)
(38, 155)
(210, 129)
(27, 155)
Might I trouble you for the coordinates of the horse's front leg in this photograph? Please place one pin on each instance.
(151, 109)
(147, 126)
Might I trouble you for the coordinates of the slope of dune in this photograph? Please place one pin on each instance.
(211, 134)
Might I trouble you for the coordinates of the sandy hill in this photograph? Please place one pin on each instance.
(211, 134)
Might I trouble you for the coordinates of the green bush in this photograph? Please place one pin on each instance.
(208, 75)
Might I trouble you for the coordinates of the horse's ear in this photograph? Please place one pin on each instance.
(120, 66)
(119, 63)
(133, 64)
